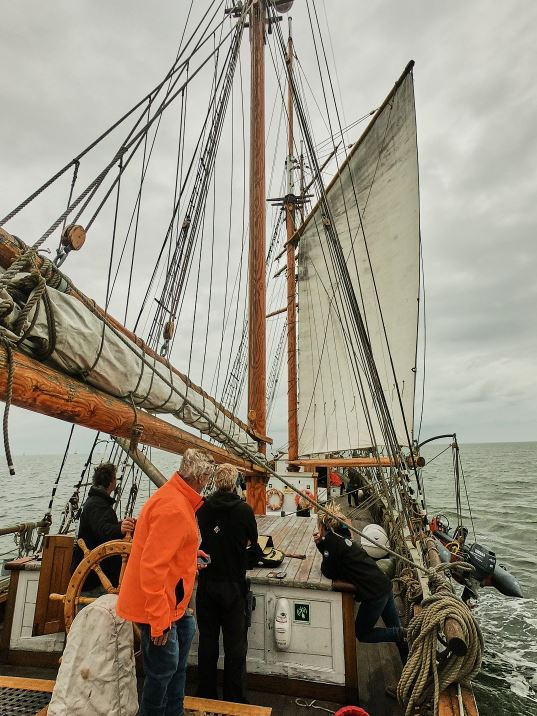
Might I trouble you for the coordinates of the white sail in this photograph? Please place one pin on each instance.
(374, 201)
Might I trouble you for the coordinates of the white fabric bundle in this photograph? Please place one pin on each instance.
(97, 674)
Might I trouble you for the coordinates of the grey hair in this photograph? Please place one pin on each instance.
(196, 464)
(225, 477)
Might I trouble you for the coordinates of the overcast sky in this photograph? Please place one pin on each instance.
(69, 69)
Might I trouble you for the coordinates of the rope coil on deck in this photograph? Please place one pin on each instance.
(424, 675)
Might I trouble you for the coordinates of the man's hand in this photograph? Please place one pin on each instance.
(160, 640)
(201, 565)
(127, 525)
(317, 537)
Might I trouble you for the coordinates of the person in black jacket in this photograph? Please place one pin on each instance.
(352, 486)
(99, 524)
(227, 526)
(346, 561)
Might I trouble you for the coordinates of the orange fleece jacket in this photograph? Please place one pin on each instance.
(160, 574)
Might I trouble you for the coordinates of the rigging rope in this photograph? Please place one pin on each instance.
(153, 93)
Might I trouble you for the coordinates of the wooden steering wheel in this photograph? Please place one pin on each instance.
(91, 562)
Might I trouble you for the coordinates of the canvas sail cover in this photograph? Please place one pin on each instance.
(86, 347)
(97, 674)
(374, 203)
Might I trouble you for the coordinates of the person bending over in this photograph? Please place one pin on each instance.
(346, 561)
(227, 525)
(159, 580)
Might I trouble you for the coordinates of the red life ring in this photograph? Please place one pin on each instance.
(304, 492)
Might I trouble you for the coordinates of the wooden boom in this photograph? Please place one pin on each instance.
(42, 389)
(311, 463)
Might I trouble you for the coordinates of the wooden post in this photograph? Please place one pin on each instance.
(349, 648)
(257, 299)
(5, 634)
(256, 492)
(40, 388)
(292, 424)
(143, 462)
(54, 577)
(456, 640)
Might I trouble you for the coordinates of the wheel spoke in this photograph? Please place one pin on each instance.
(107, 584)
(124, 558)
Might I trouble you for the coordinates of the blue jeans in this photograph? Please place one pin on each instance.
(369, 613)
(165, 669)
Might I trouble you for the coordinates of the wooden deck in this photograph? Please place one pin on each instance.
(379, 665)
(292, 535)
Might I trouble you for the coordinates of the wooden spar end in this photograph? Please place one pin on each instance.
(456, 640)
(448, 702)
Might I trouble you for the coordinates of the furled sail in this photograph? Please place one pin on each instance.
(374, 202)
(83, 345)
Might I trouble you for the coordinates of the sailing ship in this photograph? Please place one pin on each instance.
(349, 328)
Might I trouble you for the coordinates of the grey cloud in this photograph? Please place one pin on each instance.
(73, 68)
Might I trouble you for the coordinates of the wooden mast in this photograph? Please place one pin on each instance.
(292, 424)
(256, 493)
(257, 299)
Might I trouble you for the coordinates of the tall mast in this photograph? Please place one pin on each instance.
(256, 495)
(257, 298)
(292, 424)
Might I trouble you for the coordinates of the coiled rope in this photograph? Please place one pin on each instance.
(424, 674)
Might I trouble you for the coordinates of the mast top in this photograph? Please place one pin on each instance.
(283, 5)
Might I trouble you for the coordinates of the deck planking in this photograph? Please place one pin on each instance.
(379, 665)
(293, 535)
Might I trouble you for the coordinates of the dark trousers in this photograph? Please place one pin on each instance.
(369, 612)
(353, 496)
(222, 605)
(165, 669)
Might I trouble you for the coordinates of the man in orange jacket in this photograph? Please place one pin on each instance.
(158, 583)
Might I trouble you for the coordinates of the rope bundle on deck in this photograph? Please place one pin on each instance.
(426, 674)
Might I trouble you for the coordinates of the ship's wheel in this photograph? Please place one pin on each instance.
(92, 563)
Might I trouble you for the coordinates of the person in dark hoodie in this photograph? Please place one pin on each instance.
(99, 524)
(227, 526)
(346, 561)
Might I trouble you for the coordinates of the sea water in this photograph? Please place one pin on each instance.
(501, 480)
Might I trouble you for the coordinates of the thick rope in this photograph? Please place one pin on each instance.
(424, 675)
(9, 392)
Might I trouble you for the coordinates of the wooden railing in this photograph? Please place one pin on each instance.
(193, 706)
